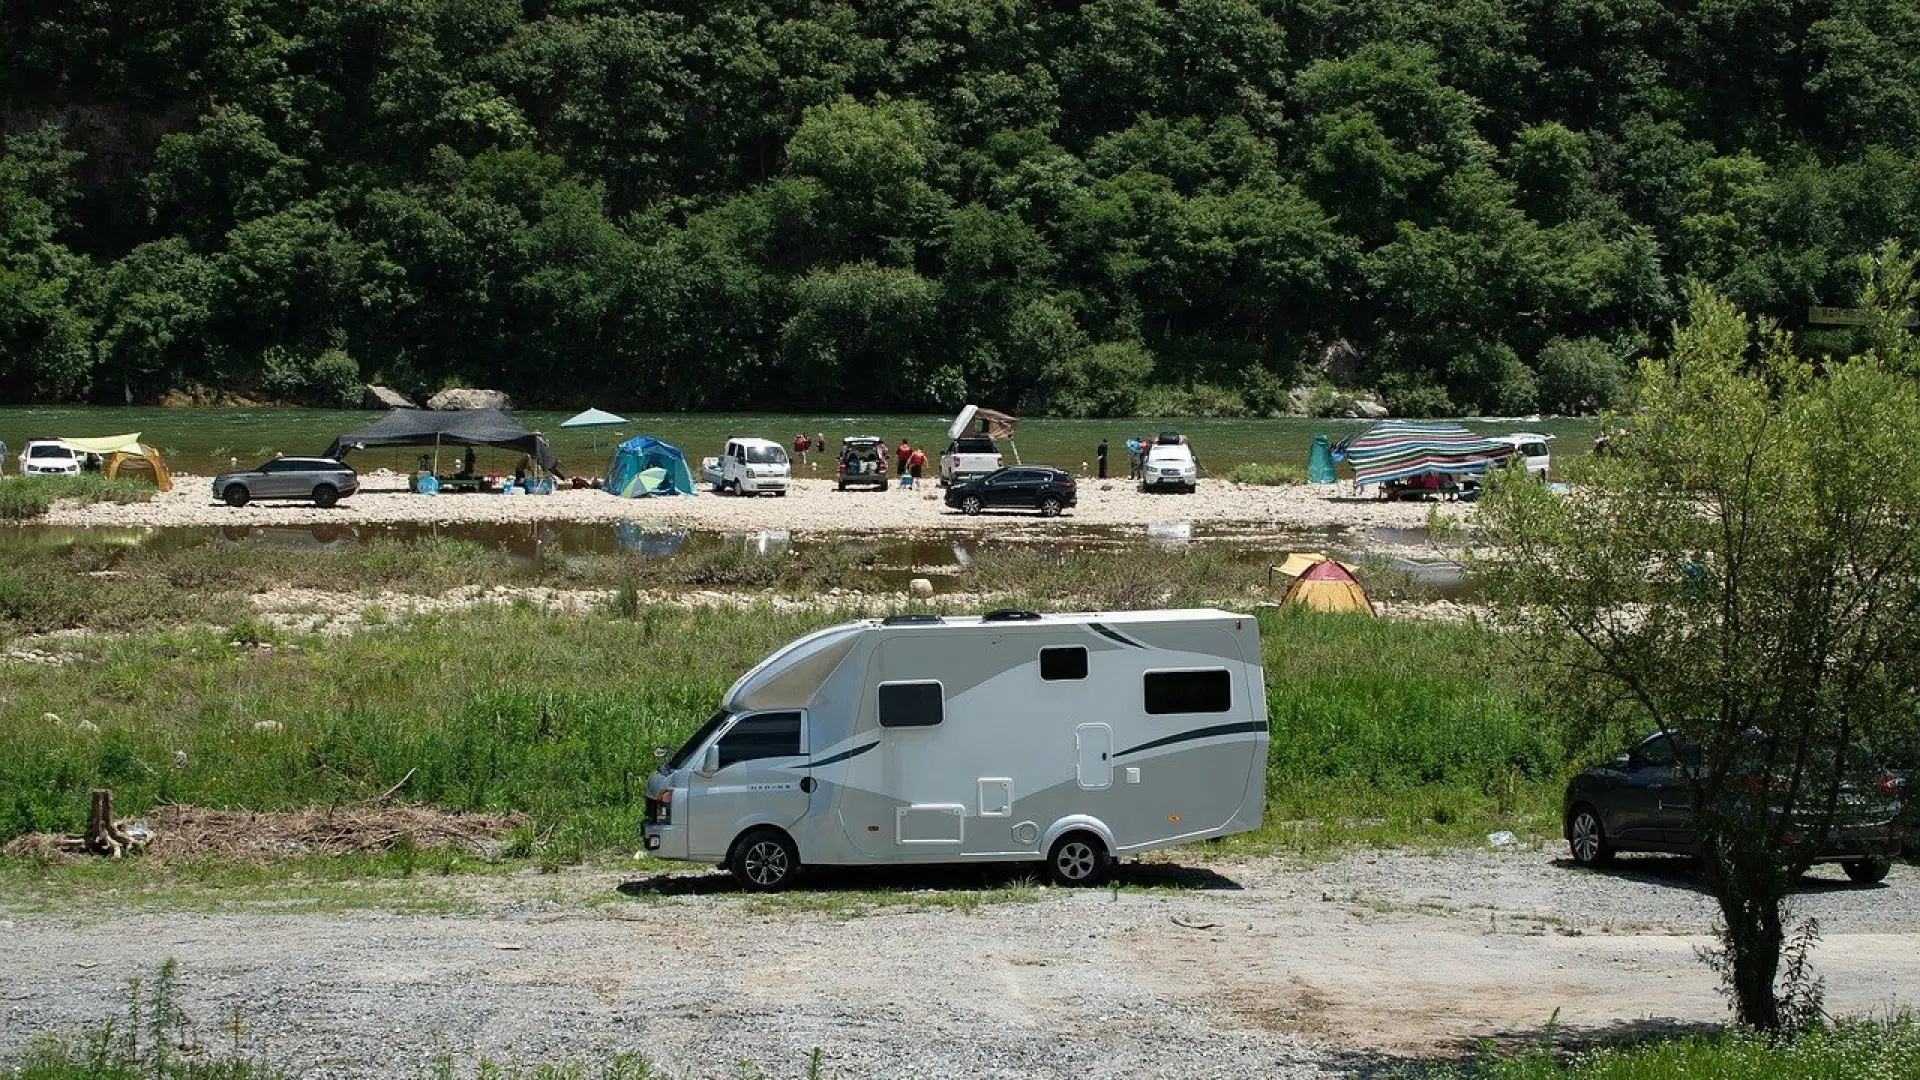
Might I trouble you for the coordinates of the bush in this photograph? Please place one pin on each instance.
(327, 379)
(1103, 380)
(1406, 394)
(26, 497)
(1266, 473)
(1581, 376)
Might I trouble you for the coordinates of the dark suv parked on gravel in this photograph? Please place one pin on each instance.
(1640, 801)
(1022, 487)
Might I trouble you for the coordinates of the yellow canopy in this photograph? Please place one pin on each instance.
(109, 444)
(1300, 562)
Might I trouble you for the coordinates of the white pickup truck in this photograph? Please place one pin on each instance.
(748, 467)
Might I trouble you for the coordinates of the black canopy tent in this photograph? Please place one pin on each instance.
(468, 427)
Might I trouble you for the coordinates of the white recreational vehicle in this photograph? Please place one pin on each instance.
(1004, 737)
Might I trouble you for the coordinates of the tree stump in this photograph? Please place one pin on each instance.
(103, 836)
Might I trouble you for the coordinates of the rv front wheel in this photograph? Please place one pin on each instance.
(1078, 858)
(764, 860)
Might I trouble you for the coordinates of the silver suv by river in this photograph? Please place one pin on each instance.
(323, 480)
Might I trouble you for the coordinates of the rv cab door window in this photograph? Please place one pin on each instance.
(766, 735)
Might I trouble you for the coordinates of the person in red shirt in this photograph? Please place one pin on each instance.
(916, 462)
(800, 446)
(906, 451)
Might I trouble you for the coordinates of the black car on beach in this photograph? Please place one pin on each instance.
(1017, 487)
(1641, 801)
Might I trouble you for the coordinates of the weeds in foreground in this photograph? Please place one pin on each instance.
(23, 498)
(1848, 1050)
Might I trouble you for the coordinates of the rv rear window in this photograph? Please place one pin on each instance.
(768, 735)
(1174, 692)
(912, 704)
(1069, 662)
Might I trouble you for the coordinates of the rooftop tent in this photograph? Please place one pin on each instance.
(1320, 462)
(1398, 449)
(994, 425)
(118, 450)
(644, 465)
(424, 427)
(1325, 585)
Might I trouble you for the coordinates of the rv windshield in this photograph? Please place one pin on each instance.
(685, 753)
(766, 455)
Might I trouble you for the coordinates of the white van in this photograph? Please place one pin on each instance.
(1532, 452)
(749, 467)
(1068, 739)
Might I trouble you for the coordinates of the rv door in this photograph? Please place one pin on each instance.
(759, 777)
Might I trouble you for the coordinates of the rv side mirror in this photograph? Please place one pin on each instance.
(710, 761)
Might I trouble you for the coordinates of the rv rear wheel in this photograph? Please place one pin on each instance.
(1078, 858)
(764, 860)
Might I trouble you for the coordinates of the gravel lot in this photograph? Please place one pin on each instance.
(1259, 967)
(814, 506)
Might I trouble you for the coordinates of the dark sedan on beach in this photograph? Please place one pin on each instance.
(1019, 487)
(1640, 801)
(323, 480)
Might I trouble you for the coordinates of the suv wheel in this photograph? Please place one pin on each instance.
(971, 505)
(1587, 839)
(325, 495)
(1868, 871)
(1050, 507)
(235, 496)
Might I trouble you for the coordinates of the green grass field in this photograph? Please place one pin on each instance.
(1381, 731)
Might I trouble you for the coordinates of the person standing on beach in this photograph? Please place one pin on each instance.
(1100, 457)
(800, 445)
(906, 451)
(917, 461)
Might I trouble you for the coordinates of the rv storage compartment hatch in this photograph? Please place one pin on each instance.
(929, 823)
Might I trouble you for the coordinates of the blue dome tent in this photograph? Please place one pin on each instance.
(644, 465)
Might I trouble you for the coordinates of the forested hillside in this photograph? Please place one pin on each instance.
(1073, 207)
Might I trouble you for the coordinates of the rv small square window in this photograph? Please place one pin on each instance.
(912, 704)
(1174, 692)
(1069, 662)
(768, 735)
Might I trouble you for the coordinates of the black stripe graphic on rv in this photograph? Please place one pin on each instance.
(1111, 634)
(1197, 733)
(842, 755)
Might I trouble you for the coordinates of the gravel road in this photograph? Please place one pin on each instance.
(1215, 969)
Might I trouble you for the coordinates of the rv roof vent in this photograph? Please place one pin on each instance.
(909, 620)
(1007, 614)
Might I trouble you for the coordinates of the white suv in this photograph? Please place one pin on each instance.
(48, 457)
(1532, 453)
(1170, 465)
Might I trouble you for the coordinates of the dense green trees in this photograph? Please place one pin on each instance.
(1084, 208)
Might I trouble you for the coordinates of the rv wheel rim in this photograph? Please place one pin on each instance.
(766, 862)
(1586, 837)
(1075, 861)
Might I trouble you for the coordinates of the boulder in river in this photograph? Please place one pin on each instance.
(460, 398)
(384, 397)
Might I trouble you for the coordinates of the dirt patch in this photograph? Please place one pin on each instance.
(185, 832)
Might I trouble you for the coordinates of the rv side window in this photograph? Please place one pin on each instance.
(1174, 692)
(912, 704)
(1069, 662)
(768, 735)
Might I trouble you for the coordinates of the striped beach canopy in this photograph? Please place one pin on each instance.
(1398, 449)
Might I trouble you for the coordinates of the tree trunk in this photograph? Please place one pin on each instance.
(103, 837)
(1750, 894)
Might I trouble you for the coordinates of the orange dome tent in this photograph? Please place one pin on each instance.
(1324, 585)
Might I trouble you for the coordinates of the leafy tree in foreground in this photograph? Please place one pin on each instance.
(1742, 575)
